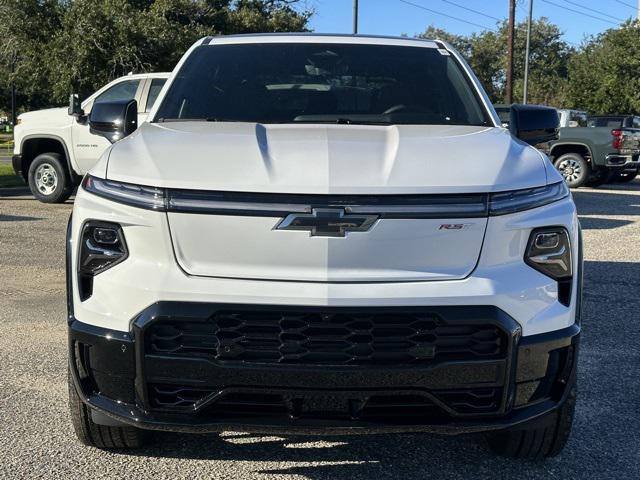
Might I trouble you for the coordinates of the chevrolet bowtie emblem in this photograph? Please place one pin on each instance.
(327, 222)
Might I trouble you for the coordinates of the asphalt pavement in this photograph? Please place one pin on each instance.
(37, 441)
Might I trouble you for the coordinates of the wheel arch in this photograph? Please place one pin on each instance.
(33, 145)
(559, 149)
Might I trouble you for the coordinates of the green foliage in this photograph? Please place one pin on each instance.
(486, 53)
(8, 177)
(604, 77)
(548, 63)
(58, 46)
(26, 28)
(50, 48)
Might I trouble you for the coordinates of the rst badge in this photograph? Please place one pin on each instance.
(454, 226)
(327, 222)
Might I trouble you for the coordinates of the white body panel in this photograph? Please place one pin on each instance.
(326, 159)
(392, 250)
(151, 274)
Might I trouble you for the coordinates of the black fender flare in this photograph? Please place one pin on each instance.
(580, 144)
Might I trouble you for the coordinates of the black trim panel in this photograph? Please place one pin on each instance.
(117, 352)
(16, 163)
(68, 268)
(278, 205)
(118, 374)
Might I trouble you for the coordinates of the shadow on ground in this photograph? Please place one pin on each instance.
(602, 202)
(594, 204)
(17, 218)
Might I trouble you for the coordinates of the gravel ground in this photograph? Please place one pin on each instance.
(36, 438)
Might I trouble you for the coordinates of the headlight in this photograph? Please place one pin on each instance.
(102, 246)
(503, 203)
(135, 195)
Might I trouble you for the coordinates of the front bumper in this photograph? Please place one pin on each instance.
(623, 163)
(117, 374)
(16, 162)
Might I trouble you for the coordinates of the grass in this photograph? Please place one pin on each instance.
(8, 177)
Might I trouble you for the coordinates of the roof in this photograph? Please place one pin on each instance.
(320, 38)
(147, 75)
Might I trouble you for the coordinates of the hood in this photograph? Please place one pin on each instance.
(326, 159)
(49, 117)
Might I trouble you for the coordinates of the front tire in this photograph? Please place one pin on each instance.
(574, 169)
(100, 436)
(48, 178)
(542, 438)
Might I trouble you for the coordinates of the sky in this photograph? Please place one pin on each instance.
(397, 17)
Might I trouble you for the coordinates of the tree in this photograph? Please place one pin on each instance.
(486, 54)
(59, 47)
(548, 64)
(26, 30)
(603, 76)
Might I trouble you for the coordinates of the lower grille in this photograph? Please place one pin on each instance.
(325, 338)
(353, 405)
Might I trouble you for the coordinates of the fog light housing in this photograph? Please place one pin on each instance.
(549, 252)
(105, 236)
(102, 246)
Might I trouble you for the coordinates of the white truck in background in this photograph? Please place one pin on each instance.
(54, 148)
(572, 118)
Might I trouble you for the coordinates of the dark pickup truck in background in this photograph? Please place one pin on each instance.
(606, 150)
(592, 150)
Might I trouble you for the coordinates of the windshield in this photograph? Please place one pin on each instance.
(322, 83)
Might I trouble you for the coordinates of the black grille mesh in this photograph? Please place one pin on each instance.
(361, 405)
(286, 337)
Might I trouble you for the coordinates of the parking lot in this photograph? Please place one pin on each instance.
(36, 437)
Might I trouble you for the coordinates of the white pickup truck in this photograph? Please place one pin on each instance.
(324, 234)
(54, 149)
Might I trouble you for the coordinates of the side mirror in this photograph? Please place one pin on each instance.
(75, 109)
(114, 120)
(534, 124)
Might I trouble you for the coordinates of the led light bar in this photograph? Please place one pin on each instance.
(135, 195)
(513, 201)
(280, 205)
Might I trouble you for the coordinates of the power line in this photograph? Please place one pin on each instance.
(579, 12)
(593, 10)
(407, 2)
(627, 4)
(521, 8)
(472, 10)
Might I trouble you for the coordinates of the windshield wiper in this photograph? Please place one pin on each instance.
(204, 119)
(342, 121)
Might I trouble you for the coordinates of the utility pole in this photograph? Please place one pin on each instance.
(526, 58)
(355, 16)
(638, 10)
(508, 97)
